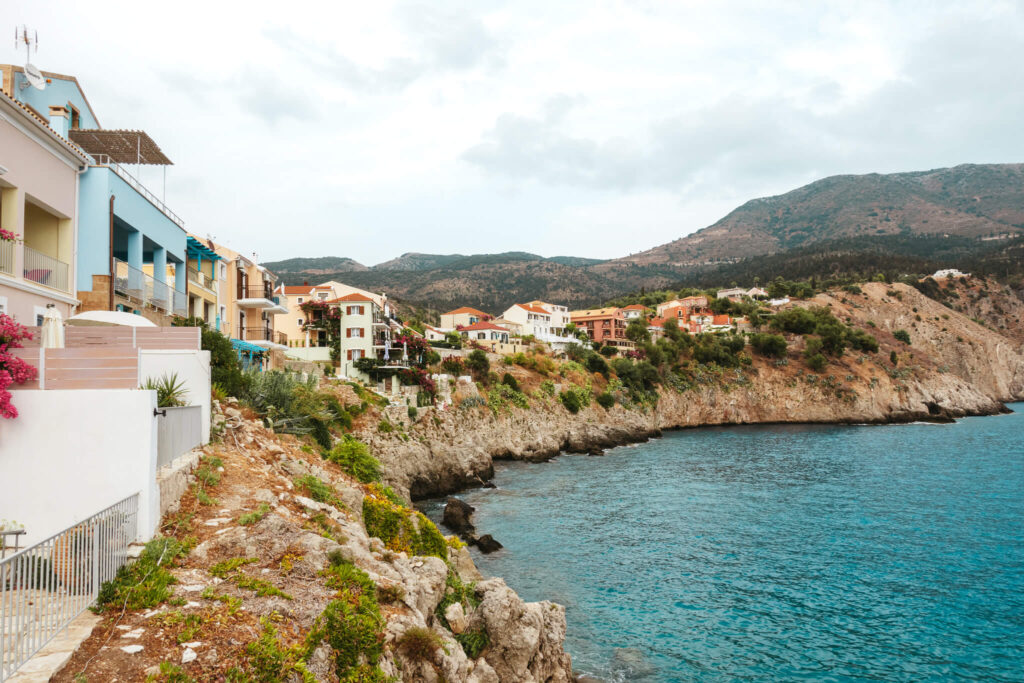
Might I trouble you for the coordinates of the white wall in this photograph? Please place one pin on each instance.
(309, 353)
(193, 369)
(71, 453)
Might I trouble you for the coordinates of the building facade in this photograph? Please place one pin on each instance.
(603, 325)
(38, 214)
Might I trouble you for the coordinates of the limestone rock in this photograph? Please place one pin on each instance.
(456, 617)
(525, 638)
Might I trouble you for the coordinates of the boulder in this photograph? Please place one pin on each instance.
(458, 515)
(456, 617)
(487, 544)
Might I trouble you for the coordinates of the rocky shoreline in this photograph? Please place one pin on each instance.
(956, 368)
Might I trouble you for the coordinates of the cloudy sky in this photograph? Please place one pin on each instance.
(586, 128)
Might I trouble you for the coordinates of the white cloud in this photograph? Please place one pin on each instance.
(370, 129)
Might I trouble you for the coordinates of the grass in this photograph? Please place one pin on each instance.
(145, 583)
(255, 516)
(316, 488)
(232, 603)
(420, 644)
(222, 569)
(231, 570)
(473, 642)
(401, 529)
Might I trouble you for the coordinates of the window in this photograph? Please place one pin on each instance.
(3, 304)
(223, 271)
(353, 310)
(354, 354)
(300, 322)
(354, 332)
(40, 315)
(322, 296)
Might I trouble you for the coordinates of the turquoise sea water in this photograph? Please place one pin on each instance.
(777, 552)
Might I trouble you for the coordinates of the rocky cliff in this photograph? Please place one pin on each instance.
(953, 367)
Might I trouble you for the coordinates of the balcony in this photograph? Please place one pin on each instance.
(255, 296)
(264, 336)
(46, 270)
(7, 257)
(201, 279)
(138, 287)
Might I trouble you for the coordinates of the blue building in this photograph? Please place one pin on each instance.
(131, 248)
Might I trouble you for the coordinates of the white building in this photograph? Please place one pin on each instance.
(545, 322)
(948, 273)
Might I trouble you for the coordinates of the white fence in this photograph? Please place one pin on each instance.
(45, 586)
(178, 430)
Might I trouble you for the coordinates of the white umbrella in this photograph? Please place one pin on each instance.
(52, 334)
(110, 318)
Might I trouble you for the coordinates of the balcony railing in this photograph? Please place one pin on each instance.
(7, 257)
(258, 334)
(46, 270)
(256, 292)
(104, 160)
(200, 278)
(140, 287)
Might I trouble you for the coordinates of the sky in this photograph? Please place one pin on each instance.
(581, 128)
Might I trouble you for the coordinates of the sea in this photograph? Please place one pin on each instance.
(776, 552)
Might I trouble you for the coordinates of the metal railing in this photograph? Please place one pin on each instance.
(46, 270)
(256, 292)
(44, 587)
(138, 286)
(123, 174)
(200, 278)
(255, 334)
(178, 430)
(7, 257)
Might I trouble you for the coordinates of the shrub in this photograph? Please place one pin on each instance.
(254, 517)
(170, 392)
(353, 456)
(401, 529)
(453, 365)
(816, 362)
(473, 642)
(597, 363)
(902, 335)
(605, 400)
(501, 395)
(861, 340)
(574, 399)
(412, 412)
(771, 345)
(608, 350)
(420, 644)
(508, 380)
(893, 358)
(478, 364)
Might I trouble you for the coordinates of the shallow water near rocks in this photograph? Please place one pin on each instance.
(776, 552)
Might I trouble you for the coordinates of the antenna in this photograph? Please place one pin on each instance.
(30, 39)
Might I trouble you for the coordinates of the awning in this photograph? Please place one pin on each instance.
(247, 346)
(195, 247)
(122, 146)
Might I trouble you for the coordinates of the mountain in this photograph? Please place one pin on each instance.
(973, 201)
(414, 261)
(315, 266)
(970, 216)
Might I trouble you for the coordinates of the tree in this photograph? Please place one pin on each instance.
(636, 330)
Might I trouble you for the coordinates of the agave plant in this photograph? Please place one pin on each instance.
(170, 393)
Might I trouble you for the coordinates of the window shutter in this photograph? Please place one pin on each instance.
(348, 333)
(350, 354)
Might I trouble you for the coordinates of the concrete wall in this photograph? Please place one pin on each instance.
(70, 454)
(192, 368)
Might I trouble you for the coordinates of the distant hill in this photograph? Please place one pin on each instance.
(969, 216)
(968, 201)
(414, 261)
(315, 266)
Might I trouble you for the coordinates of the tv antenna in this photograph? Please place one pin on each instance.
(30, 39)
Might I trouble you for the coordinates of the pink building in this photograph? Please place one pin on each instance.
(38, 206)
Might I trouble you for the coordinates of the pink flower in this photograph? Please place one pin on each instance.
(13, 370)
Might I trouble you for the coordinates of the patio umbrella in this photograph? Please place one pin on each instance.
(110, 318)
(52, 334)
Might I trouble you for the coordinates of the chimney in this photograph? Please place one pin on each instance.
(59, 120)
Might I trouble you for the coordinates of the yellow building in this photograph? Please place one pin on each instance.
(203, 288)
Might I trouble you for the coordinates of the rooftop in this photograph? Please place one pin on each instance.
(466, 309)
(120, 146)
(483, 325)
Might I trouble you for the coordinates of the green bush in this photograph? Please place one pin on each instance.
(816, 362)
(478, 364)
(771, 345)
(605, 400)
(596, 363)
(500, 396)
(574, 398)
(353, 456)
(508, 380)
(420, 644)
(902, 335)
